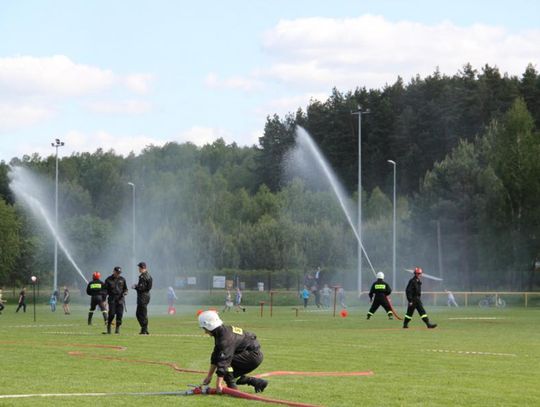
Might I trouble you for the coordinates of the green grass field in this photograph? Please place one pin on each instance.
(476, 357)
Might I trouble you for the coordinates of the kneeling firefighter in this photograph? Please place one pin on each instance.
(236, 353)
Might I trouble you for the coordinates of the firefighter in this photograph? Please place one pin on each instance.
(143, 288)
(96, 290)
(413, 292)
(236, 353)
(380, 290)
(117, 290)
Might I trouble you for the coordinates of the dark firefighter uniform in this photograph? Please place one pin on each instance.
(143, 288)
(97, 292)
(236, 353)
(414, 292)
(116, 288)
(380, 290)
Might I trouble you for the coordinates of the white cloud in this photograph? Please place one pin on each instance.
(59, 76)
(120, 107)
(245, 84)
(51, 76)
(139, 83)
(13, 117)
(321, 53)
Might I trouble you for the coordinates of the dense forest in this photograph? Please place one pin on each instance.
(468, 186)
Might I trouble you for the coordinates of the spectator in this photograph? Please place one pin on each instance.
(304, 294)
(22, 300)
(451, 299)
(66, 300)
(238, 300)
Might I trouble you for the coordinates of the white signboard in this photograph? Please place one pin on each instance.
(192, 280)
(219, 282)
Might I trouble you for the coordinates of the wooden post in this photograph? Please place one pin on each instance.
(262, 306)
(271, 302)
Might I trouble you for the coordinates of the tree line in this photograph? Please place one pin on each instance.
(466, 149)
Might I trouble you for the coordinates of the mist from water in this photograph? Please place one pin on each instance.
(306, 153)
(25, 188)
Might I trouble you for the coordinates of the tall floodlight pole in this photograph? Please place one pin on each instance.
(57, 143)
(394, 227)
(133, 274)
(360, 112)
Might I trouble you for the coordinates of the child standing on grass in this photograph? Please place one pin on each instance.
(52, 301)
(304, 294)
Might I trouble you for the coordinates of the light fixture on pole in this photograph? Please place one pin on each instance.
(34, 280)
(133, 274)
(394, 227)
(57, 143)
(360, 112)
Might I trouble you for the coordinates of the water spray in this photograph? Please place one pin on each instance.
(35, 205)
(304, 139)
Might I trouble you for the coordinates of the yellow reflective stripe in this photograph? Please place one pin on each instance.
(424, 316)
(370, 313)
(380, 286)
(230, 369)
(236, 330)
(408, 317)
(95, 285)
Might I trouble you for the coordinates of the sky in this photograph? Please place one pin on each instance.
(127, 74)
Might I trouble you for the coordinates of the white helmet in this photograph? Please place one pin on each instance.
(380, 275)
(209, 320)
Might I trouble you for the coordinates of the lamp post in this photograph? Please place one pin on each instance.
(360, 112)
(394, 227)
(34, 279)
(57, 143)
(133, 274)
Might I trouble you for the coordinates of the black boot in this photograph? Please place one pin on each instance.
(259, 385)
(405, 323)
(229, 379)
(368, 316)
(108, 329)
(117, 329)
(242, 380)
(429, 324)
(105, 317)
(90, 314)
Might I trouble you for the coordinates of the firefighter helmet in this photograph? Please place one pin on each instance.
(380, 275)
(209, 320)
(418, 270)
(96, 275)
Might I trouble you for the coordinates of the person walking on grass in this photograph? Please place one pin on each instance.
(378, 295)
(66, 300)
(116, 287)
(143, 288)
(238, 300)
(236, 353)
(2, 301)
(22, 300)
(414, 292)
(228, 301)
